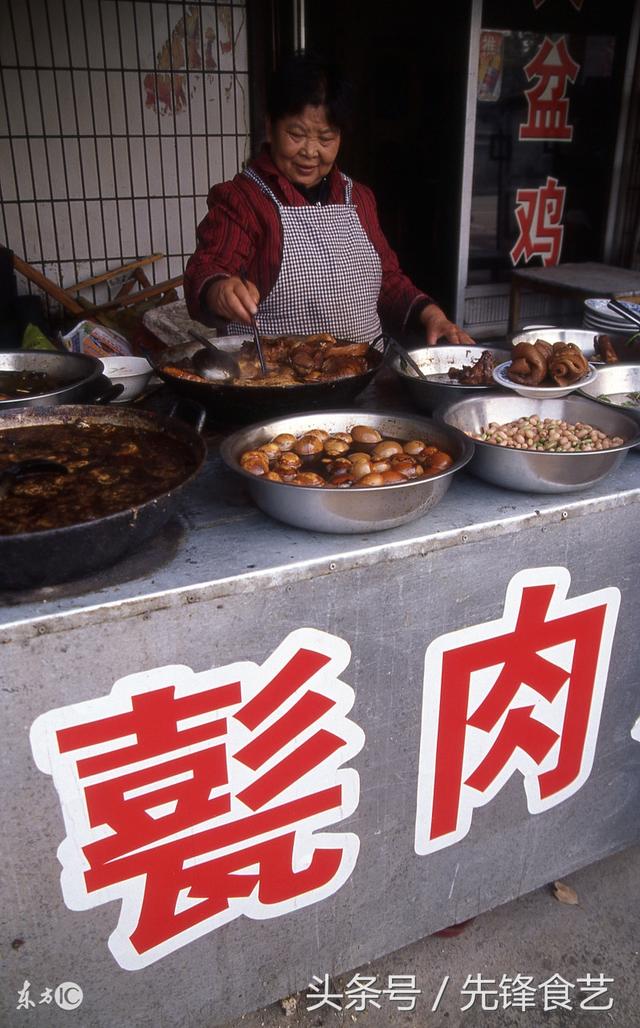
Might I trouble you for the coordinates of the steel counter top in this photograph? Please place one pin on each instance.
(222, 544)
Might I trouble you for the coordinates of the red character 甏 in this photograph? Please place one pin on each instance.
(195, 798)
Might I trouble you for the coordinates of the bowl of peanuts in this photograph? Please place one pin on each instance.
(542, 446)
(347, 471)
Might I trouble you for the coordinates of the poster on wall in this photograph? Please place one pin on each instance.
(490, 66)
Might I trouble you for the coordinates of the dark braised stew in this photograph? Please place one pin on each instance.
(15, 384)
(291, 361)
(108, 469)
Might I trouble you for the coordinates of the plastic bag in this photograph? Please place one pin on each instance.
(96, 341)
(34, 339)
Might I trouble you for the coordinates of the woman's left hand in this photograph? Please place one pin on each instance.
(437, 326)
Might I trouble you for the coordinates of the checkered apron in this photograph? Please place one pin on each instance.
(330, 274)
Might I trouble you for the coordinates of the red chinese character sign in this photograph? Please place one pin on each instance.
(553, 68)
(539, 211)
(523, 693)
(539, 217)
(195, 798)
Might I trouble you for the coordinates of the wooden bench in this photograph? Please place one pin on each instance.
(132, 275)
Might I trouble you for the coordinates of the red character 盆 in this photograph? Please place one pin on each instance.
(548, 116)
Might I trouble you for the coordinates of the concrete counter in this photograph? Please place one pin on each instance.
(383, 735)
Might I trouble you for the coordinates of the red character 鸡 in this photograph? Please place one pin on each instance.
(539, 217)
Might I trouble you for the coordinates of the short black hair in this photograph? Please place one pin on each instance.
(305, 79)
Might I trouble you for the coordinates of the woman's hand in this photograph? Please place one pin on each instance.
(232, 299)
(437, 326)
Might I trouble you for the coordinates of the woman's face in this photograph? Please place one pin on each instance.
(304, 146)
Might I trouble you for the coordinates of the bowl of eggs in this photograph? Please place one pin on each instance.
(347, 471)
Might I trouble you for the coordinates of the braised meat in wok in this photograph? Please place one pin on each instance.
(290, 360)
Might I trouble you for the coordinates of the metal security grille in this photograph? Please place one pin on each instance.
(116, 117)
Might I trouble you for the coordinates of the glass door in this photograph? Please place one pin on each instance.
(546, 110)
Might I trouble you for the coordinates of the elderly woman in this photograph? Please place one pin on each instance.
(295, 242)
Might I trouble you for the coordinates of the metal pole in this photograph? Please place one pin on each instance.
(299, 25)
(464, 225)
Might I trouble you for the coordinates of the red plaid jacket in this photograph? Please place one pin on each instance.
(243, 229)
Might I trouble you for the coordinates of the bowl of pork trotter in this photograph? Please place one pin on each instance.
(542, 370)
(597, 347)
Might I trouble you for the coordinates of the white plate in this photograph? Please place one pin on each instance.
(608, 327)
(600, 306)
(600, 319)
(604, 319)
(603, 326)
(541, 392)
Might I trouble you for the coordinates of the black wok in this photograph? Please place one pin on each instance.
(70, 377)
(238, 403)
(34, 559)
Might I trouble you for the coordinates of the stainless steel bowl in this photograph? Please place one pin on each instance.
(349, 510)
(534, 471)
(625, 345)
(616, 381)
(435, 361)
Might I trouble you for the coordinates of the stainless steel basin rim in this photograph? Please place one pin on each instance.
(349, 510)
(536, 470)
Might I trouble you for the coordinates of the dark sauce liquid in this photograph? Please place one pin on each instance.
(14, 384)
(109, 469)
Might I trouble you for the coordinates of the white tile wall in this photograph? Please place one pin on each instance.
(116, 117)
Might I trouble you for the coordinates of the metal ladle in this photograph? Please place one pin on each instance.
(408, 359)
(254, 327)
(213, 363)
(24, 468)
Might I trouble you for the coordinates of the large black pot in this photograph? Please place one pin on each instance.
(34, 559)
(236, 403)
(76, 377)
